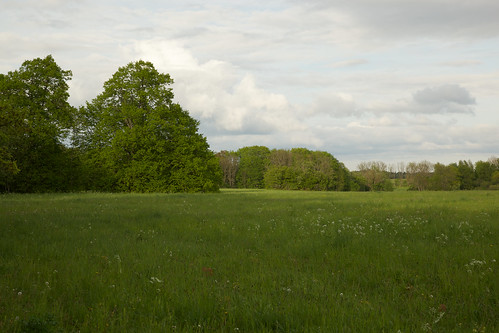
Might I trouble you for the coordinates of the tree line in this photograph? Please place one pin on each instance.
(132, 137)
(302, 169)
(424, 175)
(294, 169)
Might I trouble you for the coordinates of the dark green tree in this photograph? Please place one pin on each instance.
(494, 181)
(253, 162)
(444, 178)
(8, 166)
(483, 174)
(318, 170)
(465, 175)
(280, 173)
(35, 121)
(136, 139)
(494, 178)
(358, 182)
(281, 178)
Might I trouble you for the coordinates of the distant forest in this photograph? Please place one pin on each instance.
(302, 169)
(133, 138)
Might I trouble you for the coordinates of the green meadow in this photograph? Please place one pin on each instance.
(250, 261)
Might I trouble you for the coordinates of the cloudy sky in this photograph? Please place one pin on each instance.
(389, 80)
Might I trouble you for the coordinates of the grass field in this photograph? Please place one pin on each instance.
(250, 261)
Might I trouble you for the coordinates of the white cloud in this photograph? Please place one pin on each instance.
(449, 93)
(442, 99)
(449, 98)
(166, 54)
(349, 63)
(334, 105)
(218, 92)
(417, 18)
(360, 79)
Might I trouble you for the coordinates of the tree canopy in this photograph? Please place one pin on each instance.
(295, 169)
(131, 137)
(35, 120)
(141, 140)
(253, 162)
(303, 169)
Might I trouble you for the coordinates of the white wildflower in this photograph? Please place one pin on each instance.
(155, 279)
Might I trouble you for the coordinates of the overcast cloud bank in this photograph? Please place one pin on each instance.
(386, 80)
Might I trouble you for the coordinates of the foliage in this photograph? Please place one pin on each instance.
(465, 175)
(253, 161)
(282, 178)
(495, 178)
(302, 169)
(444, 178)
(455, 176)
(250, 261)
(295, 169)
(375, 175)
(483, 174)
(35, 120)
(358, 182)
(141, 140)
(8, 166)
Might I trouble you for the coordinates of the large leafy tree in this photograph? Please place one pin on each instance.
(465, 175)
(483, 174)
(444, 178)
(253, 162)
(136, 139)
(35, 121)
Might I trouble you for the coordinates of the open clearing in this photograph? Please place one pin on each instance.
(250, 261)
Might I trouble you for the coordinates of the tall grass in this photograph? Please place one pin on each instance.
(250, 261)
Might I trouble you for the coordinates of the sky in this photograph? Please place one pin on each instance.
(365, 80)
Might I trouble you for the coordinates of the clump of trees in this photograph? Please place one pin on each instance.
(463, 175)
(373, 176)
(294, 169)
(424, 175)
(302, 169)
(131, 137)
